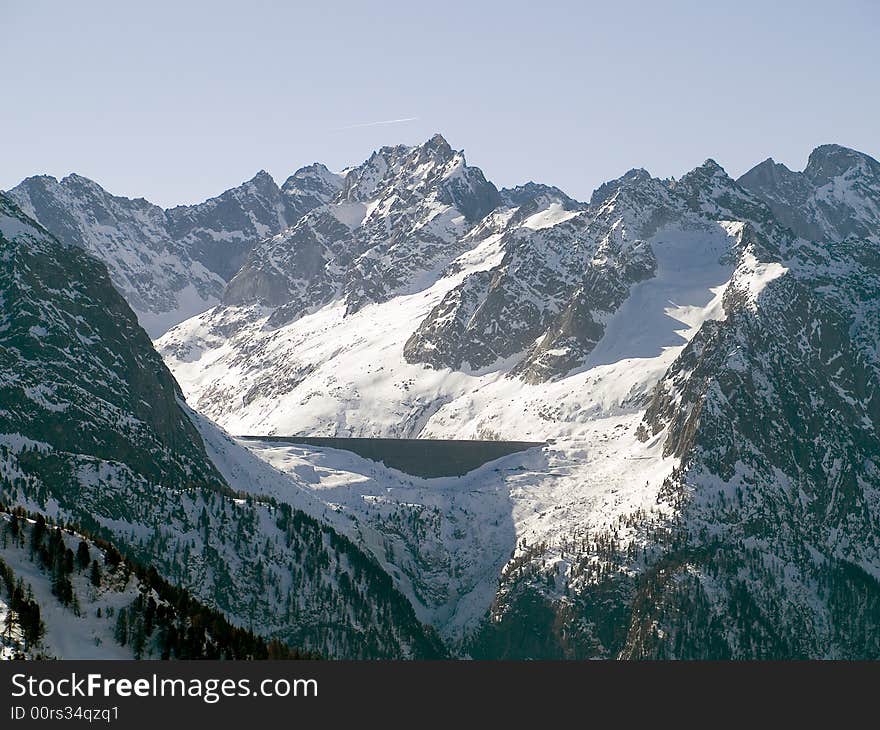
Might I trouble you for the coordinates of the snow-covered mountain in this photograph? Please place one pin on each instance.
(396, 219)
(94, 431)
(171, 264)
(706, 370)
(158, 278)
(701, 357)
(835, 198)
(522, 296)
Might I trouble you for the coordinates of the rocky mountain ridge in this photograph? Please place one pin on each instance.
(171, 264)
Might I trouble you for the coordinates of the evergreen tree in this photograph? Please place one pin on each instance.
(95, 575)
(37, 533)
(112, 557)
(68, 561)
(83, 558)
(9, 624)
(121, 632)
(28, 613)
(138, 637)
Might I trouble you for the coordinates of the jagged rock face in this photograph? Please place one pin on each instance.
(771, 548)
(532, 192)
(784, 191)
(775, 414)
(544, 277)
(170, 265)
(847, 274)
(94, 430)
(295, 269)
(397, 217)
(423, 176)
(833, 199)
(577, 329)
(220, 232)
(308, 188)
(561, 275)
(155, 273)
(709, 191)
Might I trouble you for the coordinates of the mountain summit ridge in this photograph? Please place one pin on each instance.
(830, 199)
(169, 264)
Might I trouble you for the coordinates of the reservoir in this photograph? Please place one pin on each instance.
(426, 458)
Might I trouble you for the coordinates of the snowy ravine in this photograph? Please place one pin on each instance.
(636, 333)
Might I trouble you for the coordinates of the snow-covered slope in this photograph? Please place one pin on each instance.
(71, 628)
(523, 306)
(332, 374)
(65, 596)
(585, 325)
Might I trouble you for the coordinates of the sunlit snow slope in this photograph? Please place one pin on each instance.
(331, 374)
(595, 471)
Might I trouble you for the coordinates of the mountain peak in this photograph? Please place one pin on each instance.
(40, 179)
(315, 167)
(531, 191)
(262, 175)
(262, 181)
(712, 167)
(802, 202)
(832, 149)
(828, 161)
(75, 178)
(633, 177)
(436, 149)
(439, 143)
(637, 174)
(768, 164)
(314, 178)
(767, 174)
(709, 170)
(432, 164)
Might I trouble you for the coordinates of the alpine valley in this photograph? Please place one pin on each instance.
(697, 360)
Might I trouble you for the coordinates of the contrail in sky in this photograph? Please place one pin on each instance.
(378, 124)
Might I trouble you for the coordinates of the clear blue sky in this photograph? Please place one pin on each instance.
(177, 101)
